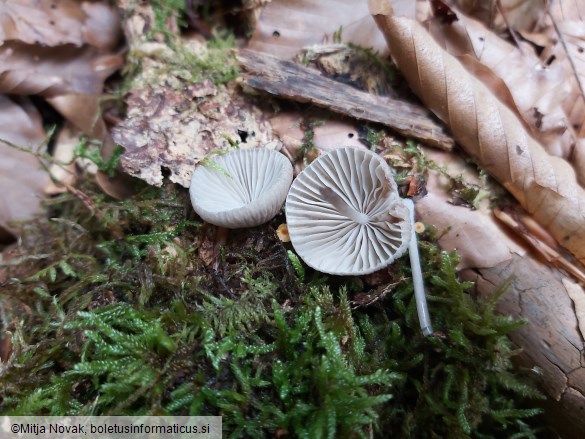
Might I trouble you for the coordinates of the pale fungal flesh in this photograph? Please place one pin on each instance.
(417, 279)
(345, 216)
(243, 188)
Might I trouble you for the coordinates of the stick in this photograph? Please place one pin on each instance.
(289, 80)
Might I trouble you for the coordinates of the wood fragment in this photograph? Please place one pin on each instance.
(293, 81)
(551, 341)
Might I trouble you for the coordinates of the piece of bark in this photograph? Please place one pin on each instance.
(292, 81)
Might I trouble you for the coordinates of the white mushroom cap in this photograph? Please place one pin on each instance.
(248, 189)
(344, 214)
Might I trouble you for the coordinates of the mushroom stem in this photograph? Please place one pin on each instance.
(221, 237)
(417, 278)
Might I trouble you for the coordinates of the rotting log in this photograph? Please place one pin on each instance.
(550, 339)
(287, 79)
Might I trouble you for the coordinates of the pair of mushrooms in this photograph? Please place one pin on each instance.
(343, 212)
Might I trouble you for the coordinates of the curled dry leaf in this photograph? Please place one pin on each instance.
(62, 50)
(489, 131)
(21, 177)
(53, 47)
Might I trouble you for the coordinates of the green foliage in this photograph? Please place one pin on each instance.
(115, 311)
(90, 150)
(166, 11)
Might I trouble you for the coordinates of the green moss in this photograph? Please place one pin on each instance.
(122, 311)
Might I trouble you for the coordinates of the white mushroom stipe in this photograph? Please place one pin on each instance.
(344, 214)
(247, 190)
(417, 279)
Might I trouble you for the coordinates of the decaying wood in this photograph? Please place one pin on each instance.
(292, 81)
(540, 293)
(550, 340)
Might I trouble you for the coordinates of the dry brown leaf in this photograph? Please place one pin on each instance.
(328, 134)
(50, 71)
(286, 26)
(490, 132)
(568, 48)
(500, 15)
(59, 22)
(538, 91)
(21, 177)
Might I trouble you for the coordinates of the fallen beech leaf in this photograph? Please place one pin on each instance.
(549, 254)
(537, 91)
(286, 26)
(500, 15)
(59, 22)
(21, 177)
(327, 133)
(50, 71)
(545, 186)
(568, 48)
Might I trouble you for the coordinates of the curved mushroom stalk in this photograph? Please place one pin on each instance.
(422, 308)
(245, 189)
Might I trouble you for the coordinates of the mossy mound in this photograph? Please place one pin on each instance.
(129, 308)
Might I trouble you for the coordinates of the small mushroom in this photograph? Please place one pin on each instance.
(244, 188)
(345, 216)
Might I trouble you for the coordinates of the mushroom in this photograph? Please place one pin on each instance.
(345, 217)
(344, 214)
(417, 278)
(244, 188)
